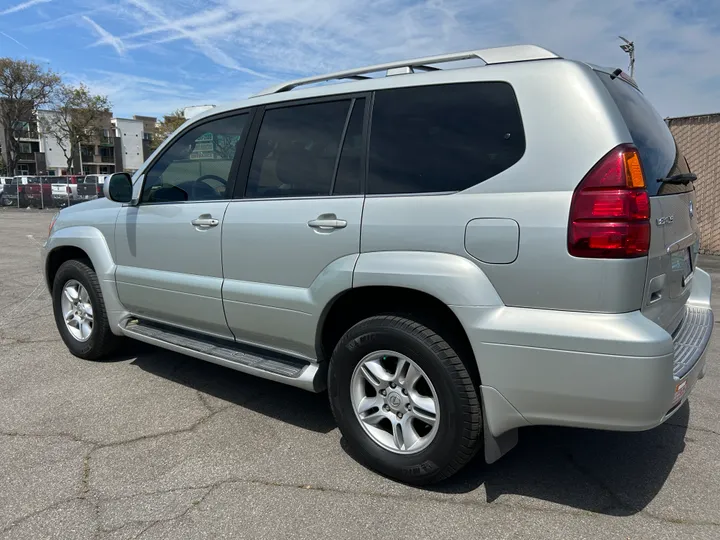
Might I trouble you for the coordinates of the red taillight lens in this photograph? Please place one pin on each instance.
(68, 190)
(609, 240)
(612, 203)
(610, 210)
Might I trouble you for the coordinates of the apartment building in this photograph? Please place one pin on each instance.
(131, 132)
(26, 133)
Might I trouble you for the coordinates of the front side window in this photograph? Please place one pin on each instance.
(196, 166)
(296, 150)
(444, 137)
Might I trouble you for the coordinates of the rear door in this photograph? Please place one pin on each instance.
(291, 239)
(674, 227)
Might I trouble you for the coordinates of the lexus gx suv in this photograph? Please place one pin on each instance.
(453, 254)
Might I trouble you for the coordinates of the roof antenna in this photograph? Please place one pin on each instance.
(629, 48)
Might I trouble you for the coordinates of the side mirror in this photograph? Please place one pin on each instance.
(119, 188)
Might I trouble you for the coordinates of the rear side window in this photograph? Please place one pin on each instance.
(296, 150)
(443, 138)
(659, 154)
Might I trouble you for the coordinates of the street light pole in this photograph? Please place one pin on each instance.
(629, 48)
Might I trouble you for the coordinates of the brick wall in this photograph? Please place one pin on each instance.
(699, 140)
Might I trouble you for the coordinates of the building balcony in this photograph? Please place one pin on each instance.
(24, 156)
(26, 134)
(107, 159)
(107, 141)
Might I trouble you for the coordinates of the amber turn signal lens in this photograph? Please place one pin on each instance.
(634, 177)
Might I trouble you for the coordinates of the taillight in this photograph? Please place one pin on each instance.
(68, 190)
(610, 209)
(99, 189)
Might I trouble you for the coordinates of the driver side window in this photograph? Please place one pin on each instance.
(196, 166)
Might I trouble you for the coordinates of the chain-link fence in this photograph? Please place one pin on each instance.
(699, 140)
(49, 192)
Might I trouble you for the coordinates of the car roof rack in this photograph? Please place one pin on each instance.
(497, 55)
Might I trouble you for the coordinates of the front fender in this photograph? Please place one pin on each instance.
(93, 243)
(452, 279)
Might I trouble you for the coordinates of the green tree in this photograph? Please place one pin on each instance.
(166, 126)
(76, 118)
(24, 86)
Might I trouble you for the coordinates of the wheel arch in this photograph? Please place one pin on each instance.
(88, 243)
(356, 304)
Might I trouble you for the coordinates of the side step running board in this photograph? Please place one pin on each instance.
(251, 360)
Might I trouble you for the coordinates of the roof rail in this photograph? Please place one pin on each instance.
(498, 55)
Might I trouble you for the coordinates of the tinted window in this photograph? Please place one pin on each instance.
(349, 172)
(196, 165)
(443, 138)
(659, 154)
(296, 150)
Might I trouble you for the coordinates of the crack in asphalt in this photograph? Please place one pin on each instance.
(693, 428)
(86, 491)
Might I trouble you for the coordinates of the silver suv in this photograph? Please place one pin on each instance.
(452, 253)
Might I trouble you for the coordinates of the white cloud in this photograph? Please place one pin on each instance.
(133, 94)
(13, 39)
(223, 45)
(105, 36)
(23, 6)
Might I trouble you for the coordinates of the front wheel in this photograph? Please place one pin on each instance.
(404, 400)
(80, 311)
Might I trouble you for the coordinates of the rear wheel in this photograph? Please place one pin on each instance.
(80, 311)
(404, 400)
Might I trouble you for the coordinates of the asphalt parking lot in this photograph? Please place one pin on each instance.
(157, 445)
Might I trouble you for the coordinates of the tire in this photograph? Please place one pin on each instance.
(101, 341)
(458, 430)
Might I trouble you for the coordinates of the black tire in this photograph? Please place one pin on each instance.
(459, 434)
(102, 341)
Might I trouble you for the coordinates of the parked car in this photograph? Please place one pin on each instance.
(64, 190)
(91, 187)
(4, 180)
(16, 192)
(453, 253)
(38, 191)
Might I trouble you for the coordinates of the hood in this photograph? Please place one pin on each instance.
(95, 204)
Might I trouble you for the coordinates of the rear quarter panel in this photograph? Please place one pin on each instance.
(570, 122)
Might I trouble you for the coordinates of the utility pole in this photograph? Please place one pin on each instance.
(629, 48)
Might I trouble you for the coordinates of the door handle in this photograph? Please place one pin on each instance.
(205, 221)
(327, 224)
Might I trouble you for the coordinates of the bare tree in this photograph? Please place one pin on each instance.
(166, 126)
(24, 86)
(75, 118)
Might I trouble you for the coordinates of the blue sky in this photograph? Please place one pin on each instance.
(153, 56)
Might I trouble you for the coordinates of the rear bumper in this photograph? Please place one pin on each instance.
(617, 372)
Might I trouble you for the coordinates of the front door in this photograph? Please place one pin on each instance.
(290, 242)
(168, 246)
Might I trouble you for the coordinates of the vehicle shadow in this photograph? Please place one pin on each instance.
(291, 405)
(605, 472)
